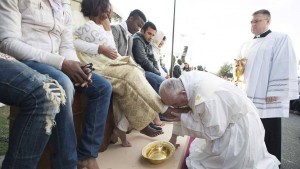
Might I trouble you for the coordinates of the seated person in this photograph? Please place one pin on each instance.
(123, 34)
(157, 43)
(133, 95)
(142, 49)
(44, 42)
(38, 98)
(142, 53)
(223, 116)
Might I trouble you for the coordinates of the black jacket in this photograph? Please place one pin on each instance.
(143, 54)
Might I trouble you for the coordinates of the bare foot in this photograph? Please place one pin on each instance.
(89, 163)
(158, 122)
(122, 135)
(113, 138)
(151, 132)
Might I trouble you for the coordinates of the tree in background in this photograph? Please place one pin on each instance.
(225, 70)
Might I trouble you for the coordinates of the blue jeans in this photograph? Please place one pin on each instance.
(63, 137)
(23, 87)
(154, 80)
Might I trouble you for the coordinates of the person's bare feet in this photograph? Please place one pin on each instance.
(122, 135)
(89, 163)
(151, 132)
(158, 122)
(113, 138)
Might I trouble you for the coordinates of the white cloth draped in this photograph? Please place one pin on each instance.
(228, 121)
(271, 70)
(157, 51)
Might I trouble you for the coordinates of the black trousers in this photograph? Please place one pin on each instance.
(273, 136)
(295, 105)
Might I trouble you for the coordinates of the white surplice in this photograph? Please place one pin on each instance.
(227, 120)
(271, 70)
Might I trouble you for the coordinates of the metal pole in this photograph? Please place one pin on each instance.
(172, 54)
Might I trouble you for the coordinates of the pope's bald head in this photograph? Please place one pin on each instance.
(172, 92)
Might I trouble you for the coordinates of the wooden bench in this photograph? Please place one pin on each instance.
(79, 113)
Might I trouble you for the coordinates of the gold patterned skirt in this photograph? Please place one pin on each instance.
(132, 92)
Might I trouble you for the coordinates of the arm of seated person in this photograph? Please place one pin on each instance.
(108, 51)
(140, 56)
(91, 48)
(94, 47)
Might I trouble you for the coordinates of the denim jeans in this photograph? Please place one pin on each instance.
(154, 80)
(63, 137)
(30, 92)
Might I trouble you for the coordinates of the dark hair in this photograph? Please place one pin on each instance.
(137, 13)
(147, 25)
(264, 12)
(93, 7)
(179, 61)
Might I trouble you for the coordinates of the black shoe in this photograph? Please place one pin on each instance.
(154, 126)
(161, 117)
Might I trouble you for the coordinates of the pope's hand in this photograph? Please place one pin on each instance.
(180, 110)
(172, 116)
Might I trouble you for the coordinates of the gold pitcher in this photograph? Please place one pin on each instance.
(239, 68)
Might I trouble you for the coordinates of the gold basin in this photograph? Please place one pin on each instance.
(158, 151)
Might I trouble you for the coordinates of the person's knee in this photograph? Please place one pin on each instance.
(160, 79)
(49, 98)
(106, 87)
(54, 92)
(103, 86)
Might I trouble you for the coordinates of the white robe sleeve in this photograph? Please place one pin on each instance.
(209, 121)
(188, 126)
(85, 47)
(283, 76)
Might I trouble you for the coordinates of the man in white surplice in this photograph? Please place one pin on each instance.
(223, 116)
(270, 77)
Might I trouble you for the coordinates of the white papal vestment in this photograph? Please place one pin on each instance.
(227, 120)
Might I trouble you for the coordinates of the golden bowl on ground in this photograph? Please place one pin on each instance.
(158, 151)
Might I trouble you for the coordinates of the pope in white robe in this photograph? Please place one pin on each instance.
(222, 117)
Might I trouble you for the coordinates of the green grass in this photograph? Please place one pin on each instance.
(4, 129)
